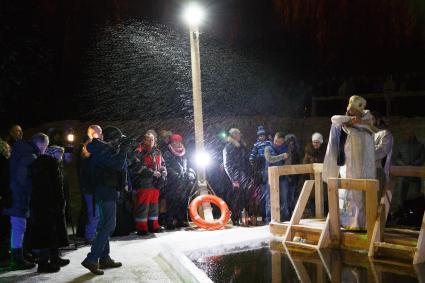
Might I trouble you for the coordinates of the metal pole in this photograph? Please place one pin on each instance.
(197, 113)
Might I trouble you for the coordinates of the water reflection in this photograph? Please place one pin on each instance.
(277, 264)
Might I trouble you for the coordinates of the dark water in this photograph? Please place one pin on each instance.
(272, 264)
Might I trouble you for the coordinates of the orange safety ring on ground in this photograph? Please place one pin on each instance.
(202, 223)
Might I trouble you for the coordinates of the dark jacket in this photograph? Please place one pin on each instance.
(109, 170)
(235, 159)
(180, 176)
(84, 171)
(312, 155)
(47, 204)
(143, 164)
(23, 154)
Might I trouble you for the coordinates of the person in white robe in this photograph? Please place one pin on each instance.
(351, 154)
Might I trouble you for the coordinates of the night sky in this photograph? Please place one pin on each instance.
(45, 45)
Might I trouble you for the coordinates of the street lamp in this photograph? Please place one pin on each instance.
(193, 16)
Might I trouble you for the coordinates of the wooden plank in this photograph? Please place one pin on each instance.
(324, 236)
(306, 229)
(384, 245)
(317, 168)
(325, 258)
(377, 234)
(420, 248)
(355, 184)
(318, 194)
(354, 241)
(299, 267)
(292, 169)
(274, 194)
(302, 245)
(400, 239)
(407, 232)
(278, 229)
(276, 267)
(334, 222)
(372, 188)
(299, 208)
(407, 171)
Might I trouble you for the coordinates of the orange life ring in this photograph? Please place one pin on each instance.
(209, 225)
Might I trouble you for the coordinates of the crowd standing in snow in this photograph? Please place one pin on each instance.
(144, 186)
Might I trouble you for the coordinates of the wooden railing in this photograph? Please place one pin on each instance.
(277, 171)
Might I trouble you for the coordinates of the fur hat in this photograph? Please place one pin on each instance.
(357, 102)
(176, 138)
(317, 137)
(261, 131)
(111, 133)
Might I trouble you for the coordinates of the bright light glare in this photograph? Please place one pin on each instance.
(193, 14)
(202, 159)
(70, 137)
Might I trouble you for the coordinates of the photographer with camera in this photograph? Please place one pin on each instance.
(109, 167)
(148, 176)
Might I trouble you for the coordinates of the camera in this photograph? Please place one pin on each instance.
(128, 144)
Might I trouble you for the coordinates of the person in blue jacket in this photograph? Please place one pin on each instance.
(24, 153)
(258, 165)
(275, 155)
(109, 167)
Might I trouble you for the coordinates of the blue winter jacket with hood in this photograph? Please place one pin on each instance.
(23, 155)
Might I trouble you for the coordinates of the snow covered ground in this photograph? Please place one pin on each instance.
(159, 258)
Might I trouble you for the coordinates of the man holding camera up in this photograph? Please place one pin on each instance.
(108, 162)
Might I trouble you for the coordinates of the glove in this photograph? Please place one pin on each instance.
(164, 173)
(157, 174)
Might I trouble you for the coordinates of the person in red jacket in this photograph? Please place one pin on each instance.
(148, 175)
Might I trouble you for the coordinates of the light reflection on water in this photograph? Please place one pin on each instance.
(275, 264)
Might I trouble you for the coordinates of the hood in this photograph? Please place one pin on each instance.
(23, 147)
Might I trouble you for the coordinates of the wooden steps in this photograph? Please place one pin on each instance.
(389, 251)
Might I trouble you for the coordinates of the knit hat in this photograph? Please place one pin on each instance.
(176, 138)
(111, 133)
(261, 131)
(53, 150)
(357, 102)
(317, 137)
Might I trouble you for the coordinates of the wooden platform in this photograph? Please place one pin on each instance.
(379, 242)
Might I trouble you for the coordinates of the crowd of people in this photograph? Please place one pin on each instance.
(144, 186)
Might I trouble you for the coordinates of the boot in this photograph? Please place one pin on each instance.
(56, 259)
(18, 262)
(92, 266)
(108, 263)
(44, 266)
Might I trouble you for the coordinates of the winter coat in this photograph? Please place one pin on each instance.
(48, 228)
(109, 170)
(5, 193)
(235, 160)
(257, 151)
(312, 155)
(84, 171)
(23, 155)
(142, 166)
(180, 177)
(410, 153)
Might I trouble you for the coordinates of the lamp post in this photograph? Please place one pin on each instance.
(193, 15)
